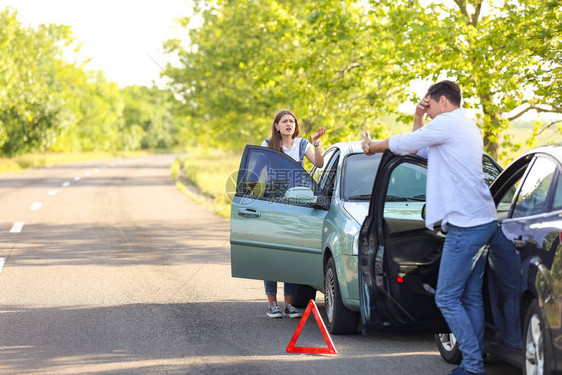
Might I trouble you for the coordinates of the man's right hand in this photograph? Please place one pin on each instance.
(421, 110)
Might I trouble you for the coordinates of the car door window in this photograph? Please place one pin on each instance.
(491, 170)
(407, 183)
(359, 171)
(268, 174)
(318, 172)
(557, 199)
(533, 195)
(329, 176)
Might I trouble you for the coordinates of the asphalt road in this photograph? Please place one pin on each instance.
(106, 268)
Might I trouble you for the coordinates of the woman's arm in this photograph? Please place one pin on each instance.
(314, 153)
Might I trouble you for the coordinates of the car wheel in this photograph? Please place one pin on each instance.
(303, 294)
(340, 320)
(448, 347)
(534, 360)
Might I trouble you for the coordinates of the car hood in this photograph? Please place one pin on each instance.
(357, 210)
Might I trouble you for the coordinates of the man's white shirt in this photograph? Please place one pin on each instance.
(456, 191)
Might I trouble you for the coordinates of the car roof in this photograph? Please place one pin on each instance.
(349, 147)
(555, 150)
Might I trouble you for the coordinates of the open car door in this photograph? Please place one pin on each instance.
(398, 256)
(277, 216)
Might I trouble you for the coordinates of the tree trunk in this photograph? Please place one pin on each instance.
(489, 146)
(490, 129)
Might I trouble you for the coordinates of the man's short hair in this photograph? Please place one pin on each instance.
(447, 88)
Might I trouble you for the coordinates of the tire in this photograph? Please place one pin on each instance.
(303, 294)
(535, 360)
(340, 320)
(448, 347)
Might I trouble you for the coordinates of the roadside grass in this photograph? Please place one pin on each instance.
(18, 163)
(203, 176)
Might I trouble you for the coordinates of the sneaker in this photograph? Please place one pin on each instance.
(292, 312)
(274, 312)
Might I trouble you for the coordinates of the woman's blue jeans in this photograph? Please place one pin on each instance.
(271, 288)
(459, 289)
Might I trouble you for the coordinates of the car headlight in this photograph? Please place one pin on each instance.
(355, 250)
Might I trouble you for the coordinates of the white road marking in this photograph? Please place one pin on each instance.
(35, 206)
(2, 262)
(77, 178)
(65, 184)
(53, 192)
(97, 171)
(17, 227)
(88, 173)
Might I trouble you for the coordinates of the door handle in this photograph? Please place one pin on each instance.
(249, 213)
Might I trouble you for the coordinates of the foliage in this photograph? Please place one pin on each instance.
(49, 104)
(250, 59)
(490, 48)
(346, 65)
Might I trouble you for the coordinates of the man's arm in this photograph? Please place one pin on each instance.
(371, 147)
(419, 114)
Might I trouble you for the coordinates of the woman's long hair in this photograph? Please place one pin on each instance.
(275, 139)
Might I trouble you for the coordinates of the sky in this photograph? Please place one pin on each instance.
(121, 37)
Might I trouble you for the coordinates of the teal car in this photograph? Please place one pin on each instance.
(291, 225)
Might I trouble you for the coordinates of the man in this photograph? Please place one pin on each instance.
(458, 197)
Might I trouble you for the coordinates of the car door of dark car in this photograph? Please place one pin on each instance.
(533, 222)
(271, 238)
(398, 256)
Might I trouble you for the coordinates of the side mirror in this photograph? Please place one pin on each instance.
(300, 195)
(423, 212)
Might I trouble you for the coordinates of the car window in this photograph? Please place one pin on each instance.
(407, 183)
(359, 172)
(329, 176)
(505, 203)
(490, 169)
(268, 174)
(405, 195)
(557, 200)
(532, 198)
(317, 172)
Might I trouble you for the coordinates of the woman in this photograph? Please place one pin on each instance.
(284, 133)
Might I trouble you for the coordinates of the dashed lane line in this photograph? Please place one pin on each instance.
(65, 184)
(2, 262)
(53, 192)
(17, 227)
(77, 178)
(35, 206)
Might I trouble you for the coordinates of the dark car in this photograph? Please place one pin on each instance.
(398, 261)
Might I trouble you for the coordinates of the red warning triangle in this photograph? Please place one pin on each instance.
(331, 349)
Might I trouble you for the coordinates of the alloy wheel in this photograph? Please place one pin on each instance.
(448, 341)
(534, 347)
(329, 286)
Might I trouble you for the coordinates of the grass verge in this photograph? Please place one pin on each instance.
(18, 163)
(203, 174)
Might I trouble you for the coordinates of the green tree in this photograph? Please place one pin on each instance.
(150, 115)
(252, 58)
(502, 53)
(30, 108)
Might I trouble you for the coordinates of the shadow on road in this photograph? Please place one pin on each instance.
(196, 338)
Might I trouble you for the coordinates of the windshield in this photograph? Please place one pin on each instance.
(359, 172)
